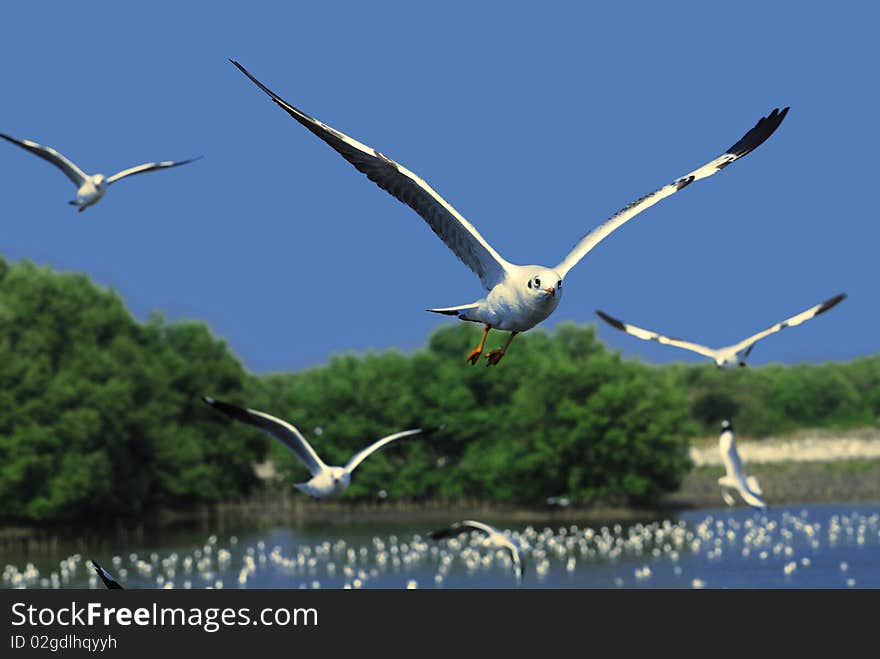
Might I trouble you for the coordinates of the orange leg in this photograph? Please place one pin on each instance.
(476, 352)
(494, 356)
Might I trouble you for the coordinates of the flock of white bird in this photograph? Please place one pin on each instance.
(519, 297)
(702, 550)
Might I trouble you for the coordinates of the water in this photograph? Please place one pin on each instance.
(811, 546)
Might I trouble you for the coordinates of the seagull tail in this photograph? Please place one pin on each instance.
(306, 488)
(455, 311)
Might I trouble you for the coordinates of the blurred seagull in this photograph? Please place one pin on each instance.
(109, 581)
(494, 538)
(90, 189)
(735, 478)
(519, 297)
(731, 356)
(326, 481)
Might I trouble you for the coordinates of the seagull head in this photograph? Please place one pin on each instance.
(726, 425)
(543, 284)
(339, 479)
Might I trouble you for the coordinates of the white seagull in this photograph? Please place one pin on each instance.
(89, 188)
(326, 480)
(519, 297)
(730, 356)
(494, 538)
(109, 581)
(735, 478)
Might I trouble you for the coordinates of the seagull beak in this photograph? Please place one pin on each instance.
(550, 291)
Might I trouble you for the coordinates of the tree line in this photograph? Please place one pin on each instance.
(101, 416)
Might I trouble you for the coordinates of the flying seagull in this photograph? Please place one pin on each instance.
(494, 538)
(109, 581)
(731, 356)
(519, 297)
(326, 481)
(735, 478)
(90, 188)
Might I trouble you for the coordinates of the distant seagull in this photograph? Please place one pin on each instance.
(494, 538)
(559, 502)
(109, 581)
(731, 356)
(326, 481)
(519, 297)
(735, 478)
(90, 189)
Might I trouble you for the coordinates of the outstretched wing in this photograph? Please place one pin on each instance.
(360, 456)
(281, 430)
(461, 527)
(754, 485)
(149, 167)
(648, 335)
(748, 143)
(751, 498)
(794, 321)
(71, 171)
(519, 561)
(458, 234)
(109, 581)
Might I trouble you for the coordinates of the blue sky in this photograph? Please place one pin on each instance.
(536, 122)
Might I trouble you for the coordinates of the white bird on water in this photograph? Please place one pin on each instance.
(730, 356)
(326, 480)
(89, 188)
(735, 478)
(494, 539)
(519, 297)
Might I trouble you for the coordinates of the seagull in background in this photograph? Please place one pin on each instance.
(735, 478)
(731, 356)
(89, 188)
(494, 539)
(109, 581)
(326, 481)
(519, 297)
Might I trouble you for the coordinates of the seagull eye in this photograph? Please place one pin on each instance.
(537, 283)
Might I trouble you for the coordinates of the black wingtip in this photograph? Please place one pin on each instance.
(187, 161)
(611, 321)
(827, 304)
(230, 410)
(763, 129)
(448, 532)
(109, 582)
(252, 78)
